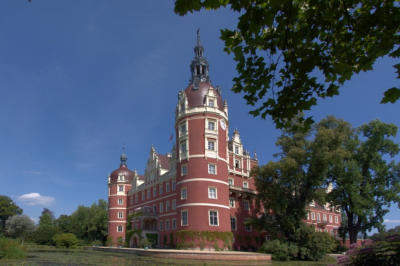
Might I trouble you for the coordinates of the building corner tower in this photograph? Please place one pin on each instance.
(201, 125)
(119, 183)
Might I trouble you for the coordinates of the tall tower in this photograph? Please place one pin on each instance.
(201, 125)
(119, 183)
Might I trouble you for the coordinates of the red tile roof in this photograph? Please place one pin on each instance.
(164, 161)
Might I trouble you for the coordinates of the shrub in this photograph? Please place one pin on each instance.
(380, 252)
(66, 240)
(280, 250)
(109, 241)
(10, 249)
(97, 243)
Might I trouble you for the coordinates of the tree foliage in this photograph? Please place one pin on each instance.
(287, 186)
(90, 223)
(352, 160)
(290, 53)
(19, 226)
(7, 209)
(46, 228)
(365, 183)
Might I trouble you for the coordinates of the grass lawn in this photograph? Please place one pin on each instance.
(49, 256)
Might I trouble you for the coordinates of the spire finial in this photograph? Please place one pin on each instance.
(198, 36)
(123, 157)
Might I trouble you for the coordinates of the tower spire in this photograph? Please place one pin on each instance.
(199, 66)
(123, 157)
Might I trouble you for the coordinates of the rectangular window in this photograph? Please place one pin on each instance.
(182, 128)
(237, 164)
(167, 187)
(318, 217)
(183, 149)
(211, 125)
(184, 170)
(184, 218)
(167, 205)
(308, 215)
(245, 184)
(213, 217)
(161, 188)
(233, 223)
(142, 195)
(120, 188)
(173, 185)
(161, 207)
(237, 149)
(154, 192)
(120, 215)
(211, 145)
(212, 169)
(210, 102)
(212, 192)
(313, 216)
(161, 226)
(336, 219)
(148, 194)
(231, 202)
(119, 228)
(154, 209)
(120, 202)
(166, 225)
(324, 217)
(184, 193)
(246, 205)
(136, 197)
(174, 224)
(173, 204)
(230, 181)
(330, 218)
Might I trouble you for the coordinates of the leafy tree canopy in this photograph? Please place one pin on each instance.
(364, 182)
(19, 226)
(7, 209)
(290, 53)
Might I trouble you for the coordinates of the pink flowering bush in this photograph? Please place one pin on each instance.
(379, 252)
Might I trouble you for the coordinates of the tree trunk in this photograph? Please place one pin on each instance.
(353, 235)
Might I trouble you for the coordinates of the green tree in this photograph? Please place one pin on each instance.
(90, 223)
(290, 53)
(365, 184)
(46, 229)
(287, 186)
(19, 226)
(7, 209)
(63, 223)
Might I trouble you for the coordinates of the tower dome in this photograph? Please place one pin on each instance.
(123, 173)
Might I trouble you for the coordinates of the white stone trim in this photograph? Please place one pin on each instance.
(167, 214)
(117, 208)
(117, 221)
(201, 110)
(203, 204)
(204, 156)
(202, 179)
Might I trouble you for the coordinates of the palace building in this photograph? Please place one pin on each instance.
(201, 193)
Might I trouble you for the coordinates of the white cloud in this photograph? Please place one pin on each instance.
(36, 199)
(389, 221)
(32, 172)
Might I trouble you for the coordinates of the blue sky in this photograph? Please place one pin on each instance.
(79, 79)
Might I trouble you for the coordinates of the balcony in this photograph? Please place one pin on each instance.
(241, 190)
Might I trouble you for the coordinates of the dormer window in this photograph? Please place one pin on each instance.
(210, 103)
(236, 149)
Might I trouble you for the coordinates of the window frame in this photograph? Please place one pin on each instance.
(187, 217)
(184, 195)
(235, 227)
(212, 193)
(212, 169)
(211, 220)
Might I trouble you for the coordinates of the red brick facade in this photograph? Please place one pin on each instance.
(203, 185)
